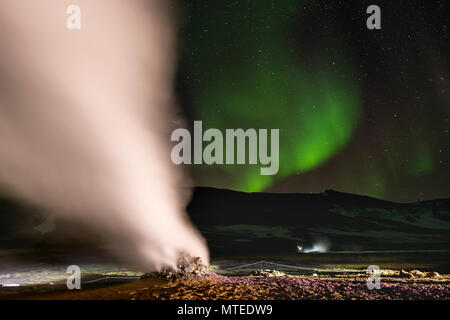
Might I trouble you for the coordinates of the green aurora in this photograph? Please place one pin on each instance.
(261, 84)
(358, 111)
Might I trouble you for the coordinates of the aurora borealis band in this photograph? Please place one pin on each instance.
(358, 111)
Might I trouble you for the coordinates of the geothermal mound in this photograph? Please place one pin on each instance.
(188, 268)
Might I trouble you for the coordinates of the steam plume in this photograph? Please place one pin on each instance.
(84, 116)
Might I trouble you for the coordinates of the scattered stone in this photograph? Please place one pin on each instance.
(388, 272)
(418, 274)
(434, 275)
(267, 273)
(405, 274)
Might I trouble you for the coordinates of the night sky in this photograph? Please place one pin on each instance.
(360, 111)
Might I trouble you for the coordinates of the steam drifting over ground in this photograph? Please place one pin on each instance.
(320, 246)
(84, 116)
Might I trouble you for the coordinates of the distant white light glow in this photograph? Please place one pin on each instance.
(317, 247)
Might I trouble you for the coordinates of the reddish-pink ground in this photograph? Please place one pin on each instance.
(248, 288)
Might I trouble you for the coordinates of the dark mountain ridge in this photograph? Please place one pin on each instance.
(254, 222)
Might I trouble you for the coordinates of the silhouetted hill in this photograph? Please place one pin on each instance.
(238, 222)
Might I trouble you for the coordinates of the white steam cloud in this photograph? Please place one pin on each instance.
(317, 247)
(84, 119)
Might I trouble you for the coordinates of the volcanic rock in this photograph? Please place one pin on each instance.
(388, 272)
(434, 275)
(418, 274)
(406, 274)
(267, 273)
(188, 268)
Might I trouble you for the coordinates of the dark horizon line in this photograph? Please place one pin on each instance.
(316, 193)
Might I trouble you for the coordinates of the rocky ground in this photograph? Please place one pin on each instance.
(267, 288)
(194, 281)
